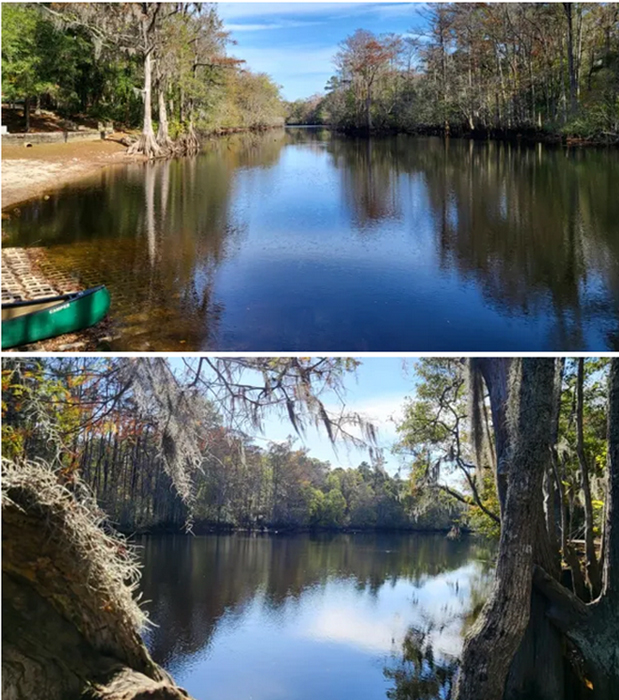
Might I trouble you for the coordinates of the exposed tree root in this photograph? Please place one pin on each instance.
(146, 145)
(126, 684)
(166, 144)
(590, 628)
(189, 143)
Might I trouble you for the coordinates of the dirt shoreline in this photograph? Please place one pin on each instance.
(28, 173)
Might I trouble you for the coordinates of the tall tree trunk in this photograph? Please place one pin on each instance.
(147, 143)
(537, 668)
(569, 555)
(163, 134)
(368, 109)
(495, 371)
(27, 113)
(611, 526)
(568, 8)
(497, 634)
(593, 572)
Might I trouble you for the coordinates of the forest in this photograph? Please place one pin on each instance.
(544, 70)
(529, 447)
(238, 484)
(125, 62)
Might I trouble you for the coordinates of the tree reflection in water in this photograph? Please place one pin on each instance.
(304, 239)
(420, 669)
(420, 675)
(324, 613)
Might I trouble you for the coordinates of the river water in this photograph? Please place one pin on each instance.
(301, 617)
(305, 240)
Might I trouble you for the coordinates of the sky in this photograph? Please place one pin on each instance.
(377, 392)
(296, 42)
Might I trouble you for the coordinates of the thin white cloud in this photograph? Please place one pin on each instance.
(356, 628)
(266, 26)
(239, 10)
(400, 9)
(254, 10)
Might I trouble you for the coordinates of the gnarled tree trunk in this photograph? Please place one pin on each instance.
(568, 646)
(69, 626)
(497, 634)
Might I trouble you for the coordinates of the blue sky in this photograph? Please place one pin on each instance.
(295, 42)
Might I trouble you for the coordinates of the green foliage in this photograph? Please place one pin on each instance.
(37, 410)
(243, 99)
(482, 67)
(92, 65)
(25, 41)
(594, 436)
(476, 519)
(435, 440)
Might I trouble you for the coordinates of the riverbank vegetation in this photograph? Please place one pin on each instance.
(162, 66)
(543, 70)
(529, 446)
(238, 483)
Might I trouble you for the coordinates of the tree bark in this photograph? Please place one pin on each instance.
(495, 371)
(567, 6)
(593, 572)
(497, 634)
(67, 632)
(368, 109)
(611, 526)
(27, 113)
(163, 134)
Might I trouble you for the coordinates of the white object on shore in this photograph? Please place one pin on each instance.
(3, 129)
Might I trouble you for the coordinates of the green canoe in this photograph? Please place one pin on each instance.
(26, 322)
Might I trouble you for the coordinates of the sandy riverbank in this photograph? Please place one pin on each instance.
(41, 169)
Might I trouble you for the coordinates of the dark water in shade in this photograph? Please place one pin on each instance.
(309, 241)
(303, 617)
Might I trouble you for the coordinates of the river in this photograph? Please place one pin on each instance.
(300, 617)
(306, 240)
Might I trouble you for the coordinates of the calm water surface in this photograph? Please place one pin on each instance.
(305, 240)
(304, 617)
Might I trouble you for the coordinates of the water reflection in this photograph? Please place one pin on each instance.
(306, 240)
(305, 617)
(420, 675)
(422, 669)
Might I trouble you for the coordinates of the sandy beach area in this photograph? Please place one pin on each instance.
(29, 172)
